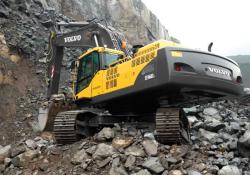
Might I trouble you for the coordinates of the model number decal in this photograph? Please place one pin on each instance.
(149, 76)
(219, 71)
(72, 38)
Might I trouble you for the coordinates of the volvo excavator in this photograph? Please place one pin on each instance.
(145, 86)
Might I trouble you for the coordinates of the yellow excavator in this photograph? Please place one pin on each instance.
(144, 86)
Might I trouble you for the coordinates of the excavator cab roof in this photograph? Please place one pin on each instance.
(102, 49)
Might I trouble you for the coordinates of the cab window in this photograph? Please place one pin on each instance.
(88, 66)
(110, 58)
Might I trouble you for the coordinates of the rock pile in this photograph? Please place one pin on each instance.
(15, 156)
(221, 131)
(220, 135)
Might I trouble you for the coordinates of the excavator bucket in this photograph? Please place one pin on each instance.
(50, 109)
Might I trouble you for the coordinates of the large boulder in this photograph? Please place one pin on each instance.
(244, 144)
(135, 150)
(153, 164)
(130, 162)
(212, 124)
(175, 172)
(5, 151)
(210, 111)
(192, 119)
(122, 142)
(234, 127)
(150, 147)
(142, 172)
(79, 157)
(19, 149)
(207, 135)
(118, 171)
(103, 151)
(193, 172)
(105, 134)
(25, 158)
(229, 170)
(31, 144)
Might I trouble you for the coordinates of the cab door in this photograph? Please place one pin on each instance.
(87, 76)
(97, 81)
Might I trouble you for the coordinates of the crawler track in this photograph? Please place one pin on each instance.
(171, 126)
(65, 127)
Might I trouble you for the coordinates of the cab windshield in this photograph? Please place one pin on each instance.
(110, 58)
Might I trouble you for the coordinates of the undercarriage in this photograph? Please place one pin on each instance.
(69, 123)
(168, 124)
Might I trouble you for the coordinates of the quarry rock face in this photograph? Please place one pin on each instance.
(131, 17)
(33, 18)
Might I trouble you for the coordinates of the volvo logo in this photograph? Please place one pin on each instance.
(72, 38)
(219, 71)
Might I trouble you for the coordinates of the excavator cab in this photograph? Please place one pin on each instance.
(91, 65)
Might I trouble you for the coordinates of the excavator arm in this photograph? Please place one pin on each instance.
(88, 35)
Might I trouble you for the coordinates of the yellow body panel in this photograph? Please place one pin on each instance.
(85, 93)
(123, 73)
(97, 83)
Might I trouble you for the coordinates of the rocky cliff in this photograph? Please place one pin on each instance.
(132, 17)
(24, 22)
